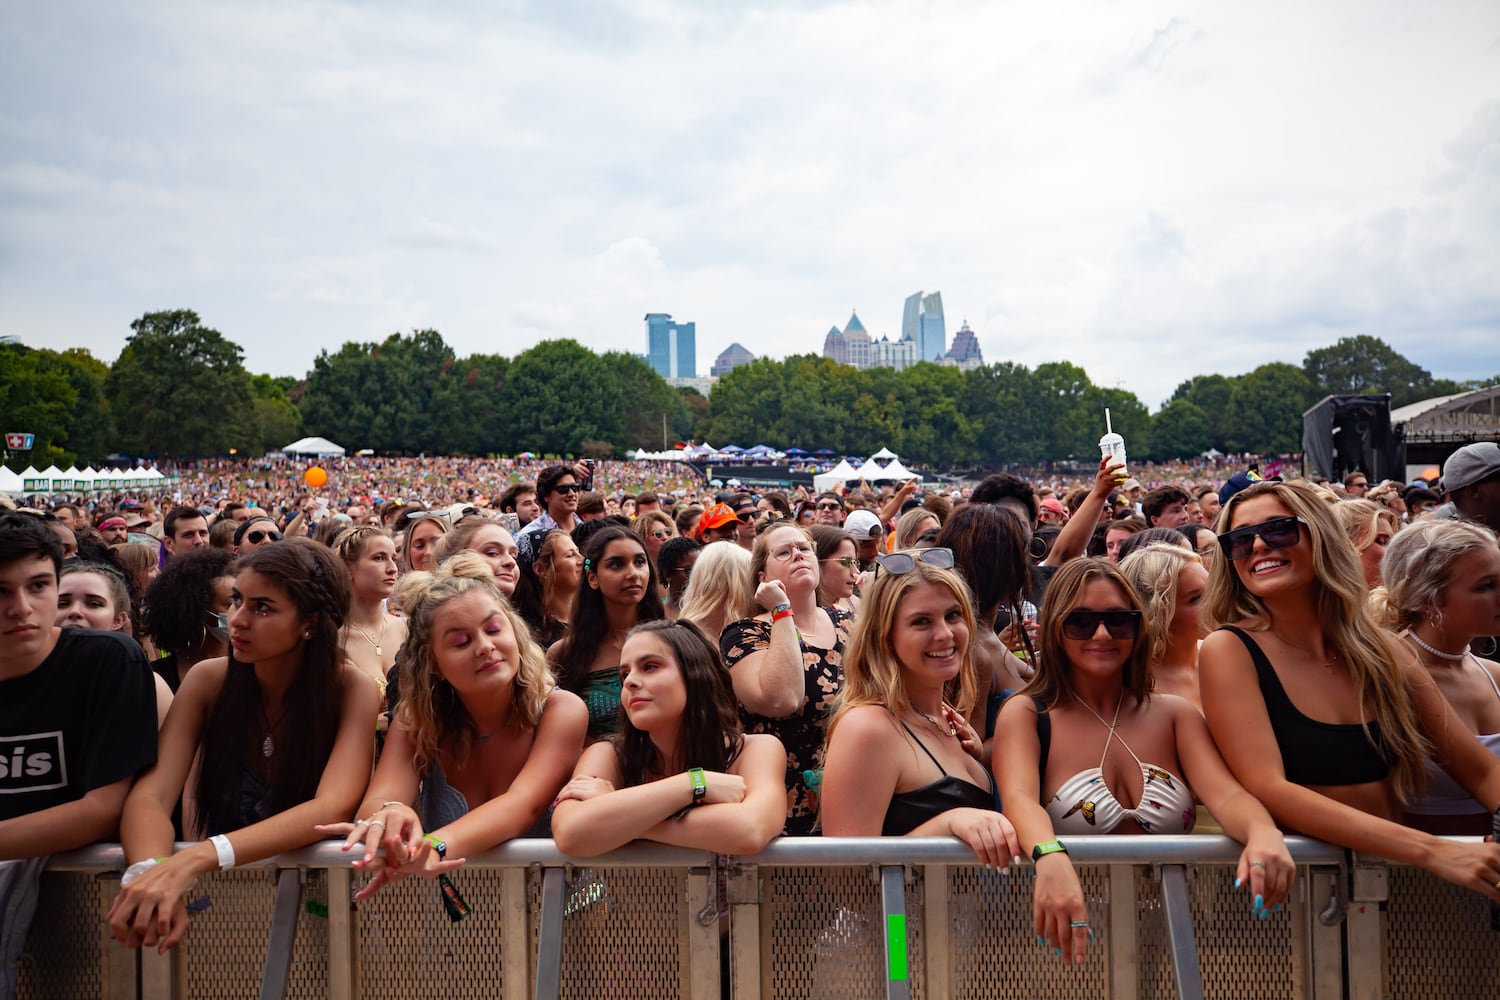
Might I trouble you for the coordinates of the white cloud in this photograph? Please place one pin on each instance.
(1205, 189)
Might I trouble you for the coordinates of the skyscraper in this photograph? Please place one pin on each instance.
(671, 348)
(729, 359)
(922, 321)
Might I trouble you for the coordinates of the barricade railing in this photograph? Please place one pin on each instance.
(807, 917)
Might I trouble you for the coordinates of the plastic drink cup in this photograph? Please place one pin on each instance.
(1112, 447)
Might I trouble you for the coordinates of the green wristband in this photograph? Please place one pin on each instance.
(1050, 847)
(700, 785)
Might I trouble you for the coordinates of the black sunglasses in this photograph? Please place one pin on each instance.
(746, 516)
(256, 537)
(1082, 625)
(566, 488)
(1277, 533)
(903, 562)
(830, 506)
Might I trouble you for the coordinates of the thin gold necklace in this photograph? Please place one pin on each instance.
(372, 641)
(950, 728)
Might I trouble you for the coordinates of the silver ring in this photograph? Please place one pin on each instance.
(1258, 864)
(1079, 923)
(361, 822)
(376, 822)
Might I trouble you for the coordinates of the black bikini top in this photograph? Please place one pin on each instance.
(1313, 752)
(909, 810)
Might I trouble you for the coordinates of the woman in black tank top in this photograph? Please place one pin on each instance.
(1320, 714)
(899, 760)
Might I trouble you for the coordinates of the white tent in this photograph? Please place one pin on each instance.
(321, 447)
(835, 477)
(10, 482)
(883, 455)
(895, 470)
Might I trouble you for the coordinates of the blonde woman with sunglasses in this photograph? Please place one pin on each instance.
(1326, 718)
(787, 663)
(1086, 748)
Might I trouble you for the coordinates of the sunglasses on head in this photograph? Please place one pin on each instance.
(1277, 533)
(423, 515)
(903, 562)
(1083, 625)
(256, 537)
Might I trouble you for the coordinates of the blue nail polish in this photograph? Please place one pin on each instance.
(1091, 936)
(1265, 914)
(1260, 903)
(1238, 881)
(1041, 940)
(1058, 951)
(1276, 908)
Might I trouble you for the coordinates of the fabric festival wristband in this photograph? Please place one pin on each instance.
(138, 869)
(700, 786)
(1050, 847)
(224, 849)
(779, 612)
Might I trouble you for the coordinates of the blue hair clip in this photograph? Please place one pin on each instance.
(588, 565)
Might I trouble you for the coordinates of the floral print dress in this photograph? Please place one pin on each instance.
(802, 732)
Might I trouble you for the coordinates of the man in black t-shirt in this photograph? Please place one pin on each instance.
(77, 723)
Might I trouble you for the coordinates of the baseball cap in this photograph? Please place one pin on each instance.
(863, 525)
(1053, 505)
(1470, 464)
(717, 516)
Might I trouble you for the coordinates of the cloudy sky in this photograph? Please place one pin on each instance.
(1150, 189)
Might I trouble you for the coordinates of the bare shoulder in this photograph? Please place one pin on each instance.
(565, 707)
(761, 745)
(867, 724)
(205, 679)
(1018, 711)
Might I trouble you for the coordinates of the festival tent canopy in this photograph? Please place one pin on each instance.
(10, 482)
(835, 477)
(895, 470)
(883, 455)
(795, 451)
(321, 447)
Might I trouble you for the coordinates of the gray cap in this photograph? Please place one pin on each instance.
(1471, 463)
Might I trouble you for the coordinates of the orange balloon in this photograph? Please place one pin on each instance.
(315, 476)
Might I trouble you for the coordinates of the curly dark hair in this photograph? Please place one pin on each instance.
(174, 605)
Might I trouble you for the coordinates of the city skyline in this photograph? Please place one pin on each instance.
(1204, 188)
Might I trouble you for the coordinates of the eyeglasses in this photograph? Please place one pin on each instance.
(785, 552)
(848, 562)
(661, 533)
(1083, 625)
(1277, 533)
(898, 563)
(256, 537)
(566, 488)
(830, 506)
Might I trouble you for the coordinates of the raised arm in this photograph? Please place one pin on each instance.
(1237, 719)
(1072, 541)
(1057, 904)
(766, 666)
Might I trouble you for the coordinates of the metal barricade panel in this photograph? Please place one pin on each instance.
(225, 946)
(1239, 955)
(409, 948)
(823, 934)
(993, 945)
(64, 954)
(1438, 941)
(625, 933)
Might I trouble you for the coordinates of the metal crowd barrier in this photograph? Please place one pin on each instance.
(807, 918)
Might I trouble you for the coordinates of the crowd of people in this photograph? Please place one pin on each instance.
(425, 661)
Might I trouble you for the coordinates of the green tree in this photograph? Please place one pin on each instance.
(937, 428)
(1265, 410)
(179, 388)
(1000, 399)
(1365, 364)
(275, 419)
(559, 394)
(36, 398)
(395, 396)
(648, 401)
(1071, 425)
(1180, 430)
(1210, 393)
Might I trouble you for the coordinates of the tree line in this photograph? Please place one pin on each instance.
(180, 389)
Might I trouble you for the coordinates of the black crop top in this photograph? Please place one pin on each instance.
(1313, 752)
(909, 810)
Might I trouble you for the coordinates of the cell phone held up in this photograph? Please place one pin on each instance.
(588, 478)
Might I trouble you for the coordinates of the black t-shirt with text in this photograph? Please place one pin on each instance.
(83, 719)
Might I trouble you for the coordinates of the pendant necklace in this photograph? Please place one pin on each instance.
(268, 745)
(950, 728)
(375, 641)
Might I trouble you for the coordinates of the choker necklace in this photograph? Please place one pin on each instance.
(375, 641)
(950, 728)
(1454, 657)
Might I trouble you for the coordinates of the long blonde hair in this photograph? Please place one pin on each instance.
(872, 673)
(717, 585)
(430, 709)
(1341, 599)
(1154, 572)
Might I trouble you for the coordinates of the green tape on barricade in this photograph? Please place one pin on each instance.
(895, 947)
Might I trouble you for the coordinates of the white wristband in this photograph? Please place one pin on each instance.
(224, 849)
(136, 870)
